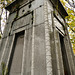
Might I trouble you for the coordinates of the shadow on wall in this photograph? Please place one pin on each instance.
(0, 41)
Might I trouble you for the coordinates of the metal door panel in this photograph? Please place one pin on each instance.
(17, 56)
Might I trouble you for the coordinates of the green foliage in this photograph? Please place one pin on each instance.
(4, 69)
(2, 0)
(0, 36)
(6, 2)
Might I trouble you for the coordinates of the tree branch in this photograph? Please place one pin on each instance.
(71, 4)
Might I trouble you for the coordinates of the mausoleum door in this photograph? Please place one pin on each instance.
(16, 63)
(59, 29)
(64, 56)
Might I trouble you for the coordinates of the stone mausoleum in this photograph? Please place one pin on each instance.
(36, 40)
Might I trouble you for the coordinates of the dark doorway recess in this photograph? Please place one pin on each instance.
(15, 63)
(64, 56)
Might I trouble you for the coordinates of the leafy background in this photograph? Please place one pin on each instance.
(69, 5)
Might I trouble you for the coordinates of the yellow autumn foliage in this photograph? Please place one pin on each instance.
(70, 22)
